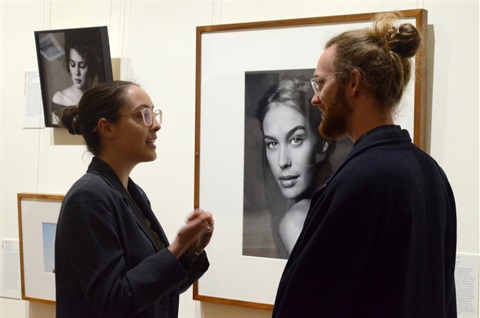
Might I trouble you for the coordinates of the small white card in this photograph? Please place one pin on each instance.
(33, 105)
(11, 269)
(466, 281)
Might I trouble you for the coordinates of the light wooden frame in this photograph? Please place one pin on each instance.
(37, 219)
(219, 105)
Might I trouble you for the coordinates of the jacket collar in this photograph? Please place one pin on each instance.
(388, 134)
(101, 168)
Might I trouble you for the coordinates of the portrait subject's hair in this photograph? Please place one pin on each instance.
(381, 54)
(102, 101)
(86, 43)
(291, 91)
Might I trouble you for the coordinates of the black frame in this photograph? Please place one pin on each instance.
(53, 69)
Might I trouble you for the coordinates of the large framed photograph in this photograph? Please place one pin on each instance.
(37, 223)
(259, 212)
(70, 61)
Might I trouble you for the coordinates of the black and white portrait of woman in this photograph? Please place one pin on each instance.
(71, 61)
(286, 159)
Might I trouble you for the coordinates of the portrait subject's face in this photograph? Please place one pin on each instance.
(78, 70)
(290, 148)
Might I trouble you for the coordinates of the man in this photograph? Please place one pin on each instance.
(380, 236)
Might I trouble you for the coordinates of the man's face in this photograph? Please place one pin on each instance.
(331, 99)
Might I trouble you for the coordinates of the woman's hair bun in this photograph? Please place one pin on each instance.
(69, 120)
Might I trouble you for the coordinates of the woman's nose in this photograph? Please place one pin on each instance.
(155, 125)
(284, 158)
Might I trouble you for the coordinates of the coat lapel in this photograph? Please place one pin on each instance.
(144, 205)
(137, 202)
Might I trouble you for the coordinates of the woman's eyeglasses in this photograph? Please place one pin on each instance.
(148, 114)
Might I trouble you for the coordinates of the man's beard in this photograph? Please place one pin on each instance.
(334, 117)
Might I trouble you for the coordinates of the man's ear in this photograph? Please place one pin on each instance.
(355, 82)
(105, 128)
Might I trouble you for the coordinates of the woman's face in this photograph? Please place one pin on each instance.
(134, 142)
(290, 147)
(78, 70)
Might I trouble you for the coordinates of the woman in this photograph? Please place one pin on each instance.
(295, 154)
(83, 64)
(112, 257)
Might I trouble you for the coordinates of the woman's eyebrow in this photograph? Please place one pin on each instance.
(141, 106)
(292, 131)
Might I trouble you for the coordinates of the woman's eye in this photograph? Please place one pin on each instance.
(296, 141)
(271, 145)
(82, 65)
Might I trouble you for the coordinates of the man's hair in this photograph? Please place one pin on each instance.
(381, 54)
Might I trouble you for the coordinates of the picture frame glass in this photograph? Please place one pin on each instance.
(70, 61)
(248, 274)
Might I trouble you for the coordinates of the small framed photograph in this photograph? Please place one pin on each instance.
(70, 61)
(37, 223)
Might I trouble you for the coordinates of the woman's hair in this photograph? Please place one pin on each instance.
(381, 54)
(293, 91)
(101, 101)
(87, 45)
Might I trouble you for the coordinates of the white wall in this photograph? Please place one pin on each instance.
(156, 43)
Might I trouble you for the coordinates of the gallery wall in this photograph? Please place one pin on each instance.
(154, 44)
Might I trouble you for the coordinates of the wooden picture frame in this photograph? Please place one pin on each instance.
(70, 60)
(224, 53)
(37, 219)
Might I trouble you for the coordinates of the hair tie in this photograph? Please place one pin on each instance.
(74, 123)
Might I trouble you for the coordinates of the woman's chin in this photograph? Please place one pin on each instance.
(151, 157)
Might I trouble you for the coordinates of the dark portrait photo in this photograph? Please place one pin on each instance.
(70, 62)
(286, 159)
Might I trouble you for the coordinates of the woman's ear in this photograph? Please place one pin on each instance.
(104, 128)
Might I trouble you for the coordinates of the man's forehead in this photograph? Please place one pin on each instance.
(323, 65)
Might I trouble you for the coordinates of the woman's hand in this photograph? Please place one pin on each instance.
(194, 236)
(194, 250)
